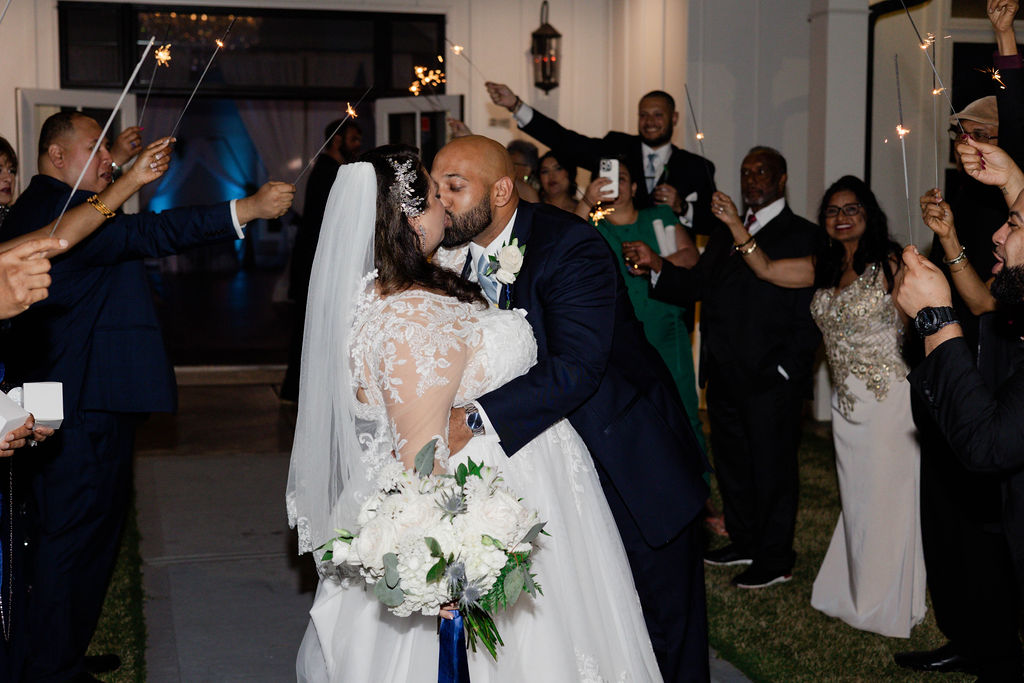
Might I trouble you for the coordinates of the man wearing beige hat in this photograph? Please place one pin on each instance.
(970, 576)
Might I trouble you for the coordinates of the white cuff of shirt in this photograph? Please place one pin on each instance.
(524, 115)
(488, 427)
(234, 221)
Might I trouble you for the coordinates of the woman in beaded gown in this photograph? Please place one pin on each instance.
(391, 343)
(873, 575)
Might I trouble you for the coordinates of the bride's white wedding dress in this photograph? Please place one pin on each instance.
(415, 355)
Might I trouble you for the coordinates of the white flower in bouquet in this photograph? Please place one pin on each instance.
(379, 536)
(502, 517)
(340, 550)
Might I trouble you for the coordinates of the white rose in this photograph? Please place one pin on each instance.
(504, 277)
(378, 537)
(339, 552)
(510, 258)
(500, 516)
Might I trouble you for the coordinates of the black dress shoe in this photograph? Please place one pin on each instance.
(945, 659)
(727, 557)
(755, 577)
(101, 664)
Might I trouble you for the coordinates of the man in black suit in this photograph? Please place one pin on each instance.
(672, 176)
(757, 352)
(595, 368)
(983, 421)
(342, 148)
(98, 334)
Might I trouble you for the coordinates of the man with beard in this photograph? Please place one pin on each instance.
(757, 352)
(673, 176)
(984, 426)
(596, 369)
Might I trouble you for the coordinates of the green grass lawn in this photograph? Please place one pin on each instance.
(773, 634)
(122, 629)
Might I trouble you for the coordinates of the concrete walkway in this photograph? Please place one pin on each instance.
(226, 595)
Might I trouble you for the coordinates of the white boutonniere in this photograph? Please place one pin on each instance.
(508, 262)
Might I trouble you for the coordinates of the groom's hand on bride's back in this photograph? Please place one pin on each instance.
(270, 201)
(459, 432)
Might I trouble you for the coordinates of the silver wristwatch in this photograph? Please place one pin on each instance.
(473, 419)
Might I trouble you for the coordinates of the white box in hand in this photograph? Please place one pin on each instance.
(12, 415)
(45, 400)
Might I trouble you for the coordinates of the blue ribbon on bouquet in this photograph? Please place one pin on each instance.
(452, 662)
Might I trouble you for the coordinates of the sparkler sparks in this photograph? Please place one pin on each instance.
(600, 213)
(928, 41)
(162, 55)
(901, 131)
(994, 73)
(220, 44)
(457, 49)
(700, 136)
(350, 111)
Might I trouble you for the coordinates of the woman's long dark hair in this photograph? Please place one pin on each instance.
(396, 250)
(875, 244)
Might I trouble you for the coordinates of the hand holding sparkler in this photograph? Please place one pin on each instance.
(990, 165)
(640, 258)
(270, 201)
(502, 95)
(126, 145)
(1001, 14)
(152, 163)
(937, 215)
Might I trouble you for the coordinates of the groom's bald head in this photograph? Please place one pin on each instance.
(474, 175)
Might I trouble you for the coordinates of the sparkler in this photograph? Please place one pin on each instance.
(923, 44)
(461, 52)
(430, 78)
(935, 115)
(901, 131)
(161, 57)
(699, 135)
(103, 134)
(4, 14)
(220, 46)
(600, 213)
(996, 76)
(350, 113)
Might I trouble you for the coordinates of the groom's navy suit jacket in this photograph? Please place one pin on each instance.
(97, 331)
(595, 367)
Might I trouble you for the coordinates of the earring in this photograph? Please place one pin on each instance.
(423, 238)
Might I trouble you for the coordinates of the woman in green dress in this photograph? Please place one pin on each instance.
(664, 324)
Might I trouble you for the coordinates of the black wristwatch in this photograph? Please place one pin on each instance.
(473, 419)
(931, 319)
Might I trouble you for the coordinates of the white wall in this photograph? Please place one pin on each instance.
(748, 71)
(28, 35)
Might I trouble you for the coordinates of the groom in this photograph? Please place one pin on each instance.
(595, 368)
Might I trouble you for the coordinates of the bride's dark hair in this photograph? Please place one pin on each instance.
(396, 250)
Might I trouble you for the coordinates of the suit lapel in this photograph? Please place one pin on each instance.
(520, 231)
(468, 267)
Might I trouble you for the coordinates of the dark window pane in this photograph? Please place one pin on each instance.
(968, 9)
(414, 43)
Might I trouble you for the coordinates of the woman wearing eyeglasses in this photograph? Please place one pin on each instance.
(873, 575)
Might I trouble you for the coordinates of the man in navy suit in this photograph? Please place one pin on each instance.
(671, 176)
(97, 333)
(595, 368)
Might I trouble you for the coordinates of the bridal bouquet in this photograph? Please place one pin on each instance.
(425, 541)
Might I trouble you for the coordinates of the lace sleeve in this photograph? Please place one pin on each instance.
(421, 359)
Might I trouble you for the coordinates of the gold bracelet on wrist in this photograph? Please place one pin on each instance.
(745, 250)
(962, 256)
(100, 206)
(739, 247)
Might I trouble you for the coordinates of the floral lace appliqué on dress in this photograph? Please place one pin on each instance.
(862, 335)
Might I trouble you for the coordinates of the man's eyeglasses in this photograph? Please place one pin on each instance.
(954, 134)
(832, 211)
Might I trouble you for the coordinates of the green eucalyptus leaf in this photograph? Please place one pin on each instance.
(435, 547)
(533, 532)
(391, 570)
(389, 596)
(460, 474)
(424, 461)
(513, 586)
(436, 572)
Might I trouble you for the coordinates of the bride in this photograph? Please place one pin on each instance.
(392, 343)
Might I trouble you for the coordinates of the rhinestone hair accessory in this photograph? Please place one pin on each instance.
(402, 189)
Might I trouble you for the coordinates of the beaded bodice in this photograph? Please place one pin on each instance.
(862, 333)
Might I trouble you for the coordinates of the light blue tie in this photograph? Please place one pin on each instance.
(652, 172)
(487, 280)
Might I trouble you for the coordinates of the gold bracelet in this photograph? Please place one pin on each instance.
(962, 256)
(745, 250)
(739, 247)
(100, 206)
(960, 269)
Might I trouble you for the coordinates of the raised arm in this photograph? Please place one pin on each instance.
(794, 273)
(80, 222)
(938, 216)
